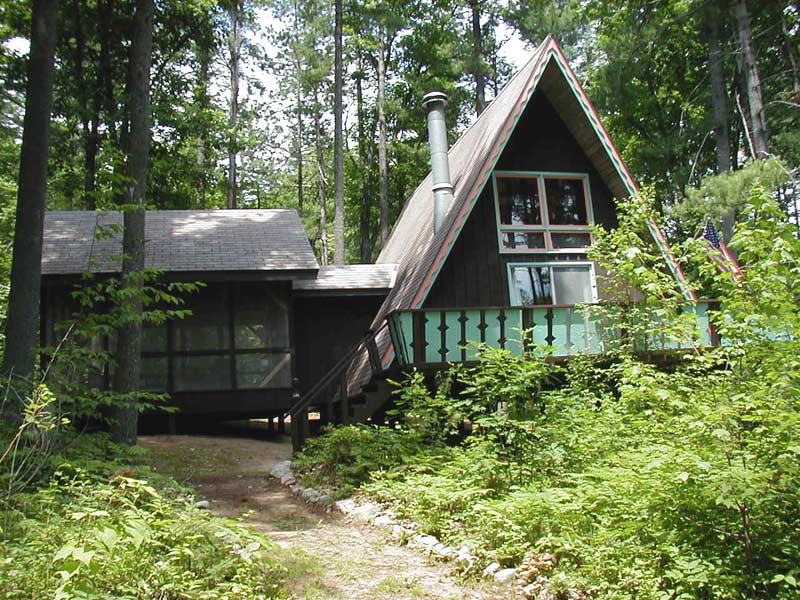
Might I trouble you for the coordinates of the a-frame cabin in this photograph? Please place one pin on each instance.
(529, 178)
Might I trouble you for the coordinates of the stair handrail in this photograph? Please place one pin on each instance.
(368, 341)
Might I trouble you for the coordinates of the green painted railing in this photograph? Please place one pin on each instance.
(433, 336)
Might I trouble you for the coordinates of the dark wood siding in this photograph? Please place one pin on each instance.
(475, 273)
(325, 328)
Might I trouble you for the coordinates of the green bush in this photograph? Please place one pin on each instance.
(345, 457)
(81, 537)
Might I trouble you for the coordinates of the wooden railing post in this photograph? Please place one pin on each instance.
(418, 336)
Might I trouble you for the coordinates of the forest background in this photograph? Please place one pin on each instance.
(242, 98)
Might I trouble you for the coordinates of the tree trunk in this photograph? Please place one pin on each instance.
(365, 219)
(87, 109)
(477, 57)
(235, 49)
(322, 183)
(298, 108)
(752, 81)
(105, 83)
(129, 335)
(338, 140)
(383, 161)
(790, 54)
(204, 61)
(719, 103)
(22, 322)
(718, 98)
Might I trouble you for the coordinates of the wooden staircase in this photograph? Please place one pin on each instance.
(329, 396)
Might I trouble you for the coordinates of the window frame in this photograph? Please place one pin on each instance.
(545, 228)
(513, 293)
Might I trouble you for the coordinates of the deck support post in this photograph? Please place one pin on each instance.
(299, 431)
(344, 401)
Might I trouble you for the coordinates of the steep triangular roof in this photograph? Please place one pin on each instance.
(421, 253)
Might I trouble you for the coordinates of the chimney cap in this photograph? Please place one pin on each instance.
(432, 97)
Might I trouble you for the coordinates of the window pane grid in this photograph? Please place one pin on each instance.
(540, 212)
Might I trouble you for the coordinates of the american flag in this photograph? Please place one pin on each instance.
(721, 255)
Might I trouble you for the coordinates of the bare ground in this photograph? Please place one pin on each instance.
(327, 556)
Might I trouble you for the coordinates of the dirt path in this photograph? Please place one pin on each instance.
(327, 556)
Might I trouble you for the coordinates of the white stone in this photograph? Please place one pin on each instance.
(397, 532)
(204, 504)
(491, 569)
(296, 489)
(345, 506)
(383, 521)
(310, 495)
(465, 557)
(288, 479)
(443, 551)
(505, 576)
(280, 469)
(426, 541)
(365, 512)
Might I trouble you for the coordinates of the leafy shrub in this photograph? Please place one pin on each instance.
(81, 537)
(346, 456)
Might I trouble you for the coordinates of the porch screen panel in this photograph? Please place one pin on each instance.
(261, 318)
(154, 337)
(208, 327)
(153, 376)
(202, 372)
(258, 370)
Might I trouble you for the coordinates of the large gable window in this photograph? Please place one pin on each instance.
(542, 212)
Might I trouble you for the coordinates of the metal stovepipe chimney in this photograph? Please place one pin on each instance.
(434, 103)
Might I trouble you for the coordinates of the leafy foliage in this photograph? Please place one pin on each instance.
(82, 537)
(346, 457)
(636, 480)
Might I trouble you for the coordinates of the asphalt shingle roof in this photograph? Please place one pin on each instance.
(350, 277)
(179, 240)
